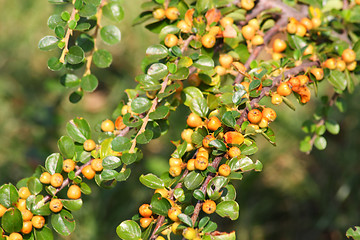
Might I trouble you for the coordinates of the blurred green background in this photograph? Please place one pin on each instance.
(297, 196)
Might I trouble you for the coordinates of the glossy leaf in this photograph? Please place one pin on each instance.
(214, 187)
(129, 230)
(72, 205)
(34, 185)
(140, 105)
(66, 147)
(152, 181)
(157, 52)
(228, 209)
(320, 143)
(79, 130)
(180, 74)
(160, 205)
(63, 222)
(355, 234)
(75, 55)
(44, 233)
(113, 11)
(8, 195)
(199, 106)
(145, 137)
(102, 58)
(185, 219)
(107, 174)
(204, 63)
(169, 29)
(332, 126)
(190, 93)
(12, 220)
(110, 34)
(160, 113)
(111, 162)
(193, 180)
(54, 163)
(48, 43)
(158, 71)
(89, 83)
(338, 79)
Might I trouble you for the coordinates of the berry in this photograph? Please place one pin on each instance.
(226, 60)
(257, 40)
(183, 26)
(276, 99)
(215, 30)
(194, 120)
(213, 124)
(224, 170)
(318, 73)
(2, 210)
(159, 13)
(247, 4)
(194, 79)
(316, 22)
(145, 210)
(163, 192)
(189, 233)
(203, 152)
(283, 89)
(27, 227)
(340, 65)
(207, 139)
(26, 215)
(145, 222)
(264, 122)
(24, 192)
(88, 172)
(175, 171)
(233, 137)
(173, 213)
(107, 126)
(89, 145)
(300, 30)
(172, 13)
(201, 163)
(351, 66)
(269, 114)
(348, 55)
(330, 63)
(56, 180)
(254, 23)
(307, 23)
(254, 116)
(160, 238)
(15, 236)
(234, 152)
(68, 165)
(74, 192)
(209, 206)
(45, 178)
(208, 40)
(277, 56)
(291, 28)
(303, 79)
(174, 228)
(279, 45)
(171, 40)
(226, 21)
(96, 164)
(248, 32)
(119, 124)
(175, 162)
(38, 222)
(186, 135)
(191, 165)
(55, 205)
(309, 50)
(21, 204)
(220, 70)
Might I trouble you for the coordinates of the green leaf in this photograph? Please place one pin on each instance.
(120, 144)
(123, 176)
(159, 113)
(86, 42)
(185, 219)
(180, 74)
(78, 129)
(193, 180)
(102, 58)
(54, 21)
(210, 227)
(89, 83)
(202, 5)
(54, 163)
(158, 71)
(203, 222)
(248, 150)
(190, 93)
(199, 195)
(75, 55)
(72, 205)
(354, 234)
(128, 158)
(228, 119)
(228, 209)
(12, 220)
(37, 206)
(145, 137)
(48, 43)
(113, 11)
(152, 181)
(338, 79)
(199, 106)
(54, 64)
(63, 222)
(157, 52)
(225, 236)
(205, 63)
(111, 162)
(8, 195)
(110, 34)
(332, 126)
(160, 205)
(140, 105)
(219, 145)
(230, 193)
(70, 80)
(129, 230)
(107, 175)
(243, 164)
(179, 194)
(214, 187)
(169, 29)
(44, 233)
(320, 143)
(66, 147)
(88, 10)
(34, 185)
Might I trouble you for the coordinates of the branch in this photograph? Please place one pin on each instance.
(69, 32)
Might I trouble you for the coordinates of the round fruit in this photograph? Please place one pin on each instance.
(215, 30)
(15, 236)
(2, 210)
(38, 222)
(233, 137)
(171, 40)
(89, 145)
(247, 4)
(145, 222)
(348, 55)
(21, 204)
(24, 192)
(145, 210)
(226, 21)
(316, 22)
(284, 89)
(254, 23)
(208, 40)
(291, 28)
(279, 45)
(175, 171)
(119, 124)
(340, 65)
(27, 227)
(191, 165)
(163, 192)
(186, 135)
(257, 40)
(213, 124)
(226, 60)
(276, 99)
(248, 32)
(300, 30)
(189, 233)
(183, 26)
(207, 139)
(160, 238)
(303, 79)
(309, 50)
(203, 152)
(68, 165)
(318, 73)
(56, 180)
(172, 13)
(307, 23)
(55, 205)
(194, 79)
(351, 66)
(194, 120)
(330, 63)
(26, 215)
(201, 163)
(175, 162)
(96, 164)
(220, 70)
(173, 213)
(88, 172)
(174, 228)
(209, 206)
(125, 109)
(224, 170)
(74, 192)
(264, 123)
(189, 147)
(159, 13)
(107, 126)
(254, 116)
(277, 56)
(269, 114)
(234, 152)
(45, 178)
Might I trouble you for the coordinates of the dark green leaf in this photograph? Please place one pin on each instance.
(160, 205)
(145, 137)
(102, 58)
(72, 205)
(214, 187)
(8, 195)
(181, 74)
(111, 162)
(12, 220)
(66, 147)
(158, 71)
(107, 174)
(128, 158)
(48, 43)
(140, 105)
(34, 185)
(75, 55)
(54, 64)
(54, 163)
(228, 209)
(120, 144)
(70, 80)
(44, 233)
(219, 145)
(89, 83)
(113, 11)
(204, 63)
(159, 113)
(185, 219)
(152, 181)
(199, 106)
(193, 180)
(110, 34)
(63, 222)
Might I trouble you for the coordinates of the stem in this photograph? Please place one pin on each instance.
(67, 37)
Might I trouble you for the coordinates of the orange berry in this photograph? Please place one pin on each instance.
(303, 79)
(175, 162)
(226, 60)
(209, 206)
(175, 171)
(119, 124)
(215, 30)
(194, 120)
(74, 192)
(56, 180)
(276, 99)
(2, 210)
(173, 213)
(264, 122)
(88, 172)
(45, 178)
(15, 236)
(38, 222)
(269, 114)
(145, 222)
(172, 13)
(283, 89)
(316, 22)
(279, 45)
(226, 21)
(26, 215)
(300, 30)
(340, 65)
(96, 164)
(291, 28)
(213, 124)
(248, 32)
(254, 23)
(145, 210)
(330, 63)
(309, 50)
(194, 79)
(220, 70)
(224, 170)
(163, 192)
(24, 192)
(27, 227)
(234, 152)
(89, 145)
(171, 40)
(186, 135)
(191, 165)
(207, 139)
(201, 163)
(318, 73)
(351, 66)
(189, 233)
(202, 152)
(208, 40)
(257, 40)
(233, 137)
(277, 56)
(183, 26)
(68, 165)
(254, 116)
(21, 204)
(348, 55)
(307, 23)
(159, 13)
(247, 4)
(294, 83)
(55, 205)
(246, 85)
(107, 126)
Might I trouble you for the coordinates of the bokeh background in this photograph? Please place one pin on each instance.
(297, 196)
